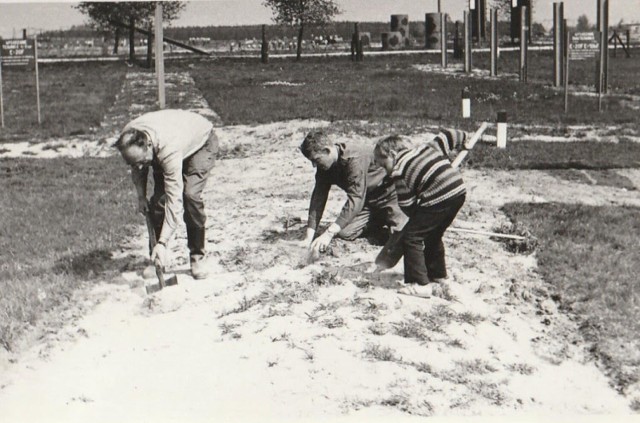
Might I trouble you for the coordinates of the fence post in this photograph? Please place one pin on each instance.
(264, 51)
(159, 54)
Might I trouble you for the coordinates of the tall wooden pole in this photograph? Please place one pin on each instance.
(1, 97)
(35, 58)
(567, 54)
(159, 55)
(523, 44)
(443, 39)
(558, 34)
(467, 42)
(494, 42)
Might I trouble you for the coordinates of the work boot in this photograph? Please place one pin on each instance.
(198, 269)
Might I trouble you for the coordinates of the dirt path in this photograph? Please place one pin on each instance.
(264, 338)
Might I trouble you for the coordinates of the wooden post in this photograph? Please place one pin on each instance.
(439, 6)
(35, 59)
(443, 39)
(501, 135)
(1, 96)
(523, 44)
(558, 34)
(359, 51)
(606, 46)
(457, 51)
(132, 38)
(615, 44)
(628, 40)
(159, 55)
(264, 52)
(567, 54)
(494, 42)
(467, 42)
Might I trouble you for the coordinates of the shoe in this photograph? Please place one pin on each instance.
(198, 269)
(422, 291)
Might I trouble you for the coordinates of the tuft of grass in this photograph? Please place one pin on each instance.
(325, 278)
(476, 367)
(411, 329)
(522, 368)
(516, 246)
(61, 218)
(379, 353)
(589, 256)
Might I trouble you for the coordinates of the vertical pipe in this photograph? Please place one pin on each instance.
(523, 44)
(159, 54)
(494, 42)
(606, 45)
(443, 38)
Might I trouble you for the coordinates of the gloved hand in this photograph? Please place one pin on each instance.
(159, 255)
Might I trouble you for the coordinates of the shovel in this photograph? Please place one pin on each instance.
(162, 282)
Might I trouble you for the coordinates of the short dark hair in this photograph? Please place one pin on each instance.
(131, 137)
(315, 141)
(395, 143)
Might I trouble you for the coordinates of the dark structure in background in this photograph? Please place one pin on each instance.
(516, 21)
(479, 19)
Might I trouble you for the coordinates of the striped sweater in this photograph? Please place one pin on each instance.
(424, 175)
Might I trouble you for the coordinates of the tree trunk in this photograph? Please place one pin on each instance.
(117, 42)
(132, 39)
(150, 47)
(299, 50)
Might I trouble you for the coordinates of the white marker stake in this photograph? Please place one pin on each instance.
(502, 130)
(466, 103)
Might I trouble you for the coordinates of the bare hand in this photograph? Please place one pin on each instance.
(321, 243)
(159, 255)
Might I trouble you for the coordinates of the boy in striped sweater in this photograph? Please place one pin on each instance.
(431, 192)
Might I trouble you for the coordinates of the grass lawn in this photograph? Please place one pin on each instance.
(383, 88)
(61, 219)
(73, 99)
(591, 258)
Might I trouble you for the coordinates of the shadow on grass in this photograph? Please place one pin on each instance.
(98, 263)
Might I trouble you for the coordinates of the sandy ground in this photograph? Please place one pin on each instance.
(266, 338)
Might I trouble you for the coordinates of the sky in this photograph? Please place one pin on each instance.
(49, 15)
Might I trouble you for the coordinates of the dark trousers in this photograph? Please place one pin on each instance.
(424, 254)
(195, 170)
(380, 209)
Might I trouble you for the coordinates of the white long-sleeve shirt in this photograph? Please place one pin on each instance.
(175, 136)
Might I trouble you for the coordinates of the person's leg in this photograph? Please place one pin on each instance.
(385, 211)
(434, 251)
(357, 226)
(195, 172)
(415, 270)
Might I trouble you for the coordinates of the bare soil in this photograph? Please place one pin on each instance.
(266, 337)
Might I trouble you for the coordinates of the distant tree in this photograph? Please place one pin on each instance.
(583, 24)
(106, 16)
(301, 13)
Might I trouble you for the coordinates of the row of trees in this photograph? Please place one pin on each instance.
(116, 16)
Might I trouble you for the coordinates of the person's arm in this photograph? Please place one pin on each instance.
(375, 177)
(450, 140)
(139, 178)
(316, 205)
(173, 188)
(356, 174)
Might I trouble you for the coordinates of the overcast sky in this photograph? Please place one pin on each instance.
(48, 15)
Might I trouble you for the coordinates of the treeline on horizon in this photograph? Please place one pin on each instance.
(242, 32)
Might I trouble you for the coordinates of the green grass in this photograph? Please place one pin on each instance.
(382, 89)
(73, 99)
(591, 258)
(61, 219)
(557, 155)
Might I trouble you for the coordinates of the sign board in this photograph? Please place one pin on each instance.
(583, 45)
(17, 52)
